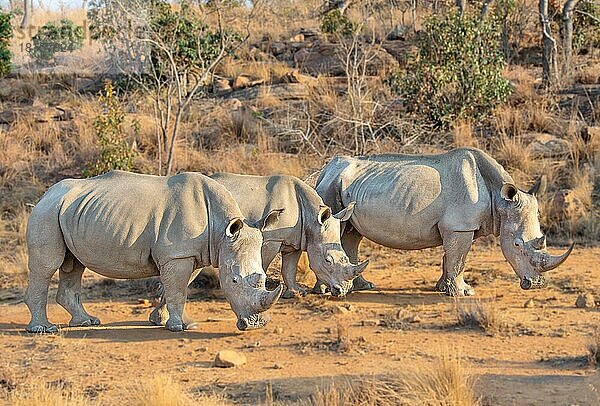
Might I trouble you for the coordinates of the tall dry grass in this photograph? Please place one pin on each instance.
(447, 382)
(477, 313)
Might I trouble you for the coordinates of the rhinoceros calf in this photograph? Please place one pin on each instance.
(124, 225)
(413, 202)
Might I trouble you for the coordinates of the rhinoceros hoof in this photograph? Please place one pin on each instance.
(292, 293)
(41, 329)
(320, 289)
(85, 322)
(175, 327)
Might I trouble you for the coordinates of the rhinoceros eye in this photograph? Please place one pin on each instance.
(235, 278)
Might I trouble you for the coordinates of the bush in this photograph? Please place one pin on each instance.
(335, 22)
(53, 38)
(115, 151)
(457, 73)
(6, 33)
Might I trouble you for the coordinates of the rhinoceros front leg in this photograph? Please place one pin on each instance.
(175, 276)
(69, 293)
(289, 269)
(350, 241)
(160, 314)
(456, 247)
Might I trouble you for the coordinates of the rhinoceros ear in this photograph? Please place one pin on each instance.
(270, 220)
(324, 214)
(509, 192)
(234, 227)
(539, 187)
(345, 214)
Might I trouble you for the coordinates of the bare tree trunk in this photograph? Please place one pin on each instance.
(414, 15)
(567, 34)
(549, 58)
(461, 4)
(27, 10)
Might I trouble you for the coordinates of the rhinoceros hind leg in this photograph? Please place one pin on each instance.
(69, 293)
(42, 265)
(175, 275)
(456, 248)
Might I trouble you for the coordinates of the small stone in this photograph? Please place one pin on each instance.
(202, 349)
(277, 366)
(145, 302)
(229, 359)
(586, 300)
(370, 322)
(529, 304)
(278, 330)
(340, 310)
(414, 319)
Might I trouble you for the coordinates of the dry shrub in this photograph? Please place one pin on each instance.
(446, 383)
(593, 348)
(464, 135)
(474, 313)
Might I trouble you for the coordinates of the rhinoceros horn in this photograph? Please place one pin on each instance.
(546, 262)
(357, 269)
(268, 298)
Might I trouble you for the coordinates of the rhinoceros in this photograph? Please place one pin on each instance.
(413, 202)
(125, 225)
(299, 221)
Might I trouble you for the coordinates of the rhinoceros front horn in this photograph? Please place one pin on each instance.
(268, 298)
(357, 269)
(549, 262)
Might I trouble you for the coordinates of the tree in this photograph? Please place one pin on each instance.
(170, 53)
(567, 33)
(27, 10)
(550, 74)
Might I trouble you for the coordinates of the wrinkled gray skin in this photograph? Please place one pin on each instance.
(413, 202)
(129, 226)
(292, 218)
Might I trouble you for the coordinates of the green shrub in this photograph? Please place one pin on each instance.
(335, 22)
(457, 72)
(586, 24)
(6, 33)
(115, 151)
(53, 38)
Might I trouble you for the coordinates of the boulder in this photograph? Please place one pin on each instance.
(543, 145)
(229, 359)
(401, 51)
(278, 48)
(221, 85)
(294, 76)
(297, 38)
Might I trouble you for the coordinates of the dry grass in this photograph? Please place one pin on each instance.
(446, 383)
(475, 313)
(162, 390)
(593, 348)
(41, 394)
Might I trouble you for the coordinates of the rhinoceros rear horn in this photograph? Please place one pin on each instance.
(553, 261)
(268, 298)
(357, 269)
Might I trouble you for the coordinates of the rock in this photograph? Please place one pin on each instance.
(297, 38)
(529, 304)
(233, 104)
(401, 51)
(294, 76)
(144, 302)
(278, 48)
(282, 91)
(241, 82)
(566, 204)
(370, 322)
(585, 301)
(221, 85)
(278, 330)
(229, 359)
(340, 310)
(543, 145)
(413, 318)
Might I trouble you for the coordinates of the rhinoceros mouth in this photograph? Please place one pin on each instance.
(252, 322)
(535, 282)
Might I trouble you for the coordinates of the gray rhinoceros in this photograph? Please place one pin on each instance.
(125, 225)
(413, 202)
(298, 221)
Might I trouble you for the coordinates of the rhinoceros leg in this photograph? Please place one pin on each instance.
(456, 247)
(175, 276)
(289, 268)
(350, 241)
(160, 314)
(69, 292)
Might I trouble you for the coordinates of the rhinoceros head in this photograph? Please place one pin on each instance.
(325, 253)
(521, 240)
(242, 277)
